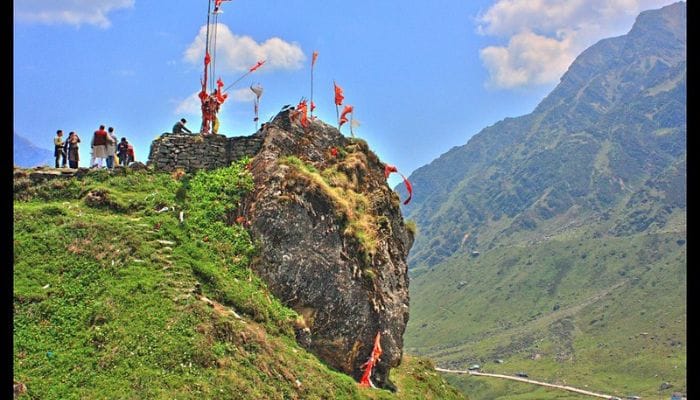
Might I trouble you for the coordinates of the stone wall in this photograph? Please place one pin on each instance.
(171, 151)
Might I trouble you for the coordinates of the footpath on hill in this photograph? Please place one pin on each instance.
(526, 380)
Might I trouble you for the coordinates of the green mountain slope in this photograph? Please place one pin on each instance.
(555, 241)
(115, 297)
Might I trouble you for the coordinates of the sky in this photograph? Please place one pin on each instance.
(423, 77)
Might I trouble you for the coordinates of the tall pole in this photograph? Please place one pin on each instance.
(351, 120)
(312, 90)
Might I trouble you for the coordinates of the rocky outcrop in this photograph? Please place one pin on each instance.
(333, 243)
(173, 151)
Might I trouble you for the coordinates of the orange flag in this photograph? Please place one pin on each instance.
(371, 362)
(338, 94)
(256, 66)
(313, 58)
(300, 113)
(220, 96)
(343, 119)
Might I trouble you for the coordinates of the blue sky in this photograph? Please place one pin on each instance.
(423, 76)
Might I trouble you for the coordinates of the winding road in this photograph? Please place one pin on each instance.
(515, 378)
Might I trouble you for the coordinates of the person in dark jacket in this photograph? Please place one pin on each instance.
(123, 152)
(180, 127)
(71, 148)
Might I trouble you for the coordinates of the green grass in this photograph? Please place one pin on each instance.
(107, 304)
(340, 183)
(608, 313)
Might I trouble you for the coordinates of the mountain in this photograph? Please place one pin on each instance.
(268, 278)
(27, 154)
(560, 235)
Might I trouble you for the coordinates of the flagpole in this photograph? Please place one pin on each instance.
(337, 113)
(256, 114)
(312, 88)
(244, 75)
(237, 80)
(352, 114)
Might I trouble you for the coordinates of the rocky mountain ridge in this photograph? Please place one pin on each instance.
(613, 126)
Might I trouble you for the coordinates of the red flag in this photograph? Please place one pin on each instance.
(256, 66)
(338, 94)
(343, 119)
(313, 58)
(334, 152)
(217, 4)
(371, 362)
(300, 114)
(409, 188)
(313, 106)
(207, 59)
(388, 169)
(302, 108)
(220, 96)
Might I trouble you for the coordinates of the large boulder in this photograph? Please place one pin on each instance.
(333, 243)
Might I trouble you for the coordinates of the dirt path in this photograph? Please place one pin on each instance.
(526, 380)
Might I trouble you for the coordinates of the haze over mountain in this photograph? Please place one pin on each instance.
(27, 154)
(559, 236)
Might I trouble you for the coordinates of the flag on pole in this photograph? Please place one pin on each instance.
(343, 116)
(256, 66)
(258, 90)
(338, 94)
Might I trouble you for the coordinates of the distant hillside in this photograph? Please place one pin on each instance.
(612, 127)
(27, 154)
(555, 239)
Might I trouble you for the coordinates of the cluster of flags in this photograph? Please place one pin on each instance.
(303, 113)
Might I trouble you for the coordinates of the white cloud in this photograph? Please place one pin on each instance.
(528, 59)
(238, 53)
(544, 36)
(243, 95)
(189, 106)
(72, 12)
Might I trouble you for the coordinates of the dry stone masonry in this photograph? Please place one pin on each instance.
(171, 151)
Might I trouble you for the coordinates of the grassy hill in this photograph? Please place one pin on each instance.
(115, 297)
(607, 314)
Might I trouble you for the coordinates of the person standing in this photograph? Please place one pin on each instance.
(58, 143)
(132, 157)
(71, 147)
(180, 127)
(111, 147)
(123, 152)
(99, 145)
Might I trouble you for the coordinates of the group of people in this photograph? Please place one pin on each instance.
(104, 146)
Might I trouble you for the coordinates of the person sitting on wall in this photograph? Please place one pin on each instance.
(180, 127)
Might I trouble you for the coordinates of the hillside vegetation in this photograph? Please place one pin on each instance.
(116, 297)
(556, 241)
